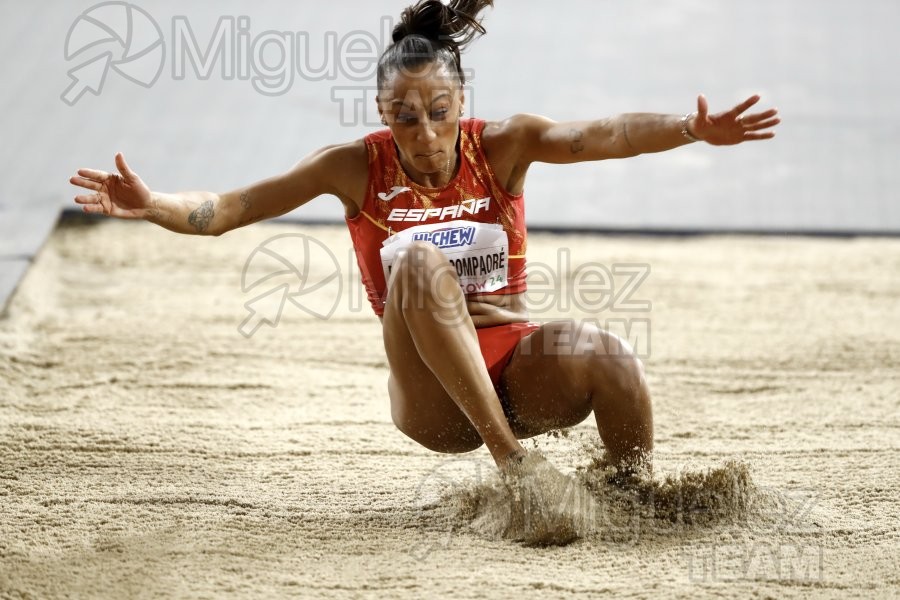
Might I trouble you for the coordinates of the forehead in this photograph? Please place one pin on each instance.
(419, 87)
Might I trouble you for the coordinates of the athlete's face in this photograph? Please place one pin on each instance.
(422, 109)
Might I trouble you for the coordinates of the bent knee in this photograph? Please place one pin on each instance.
(419, 257)
(605, 354)
(422, 274)
(619, 367)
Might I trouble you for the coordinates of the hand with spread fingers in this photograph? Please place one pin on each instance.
(732, 126)
(123, 195)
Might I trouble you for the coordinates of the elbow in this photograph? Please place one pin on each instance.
(221, 223)
(623, 144)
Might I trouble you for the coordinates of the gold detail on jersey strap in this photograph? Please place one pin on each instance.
(366, 215)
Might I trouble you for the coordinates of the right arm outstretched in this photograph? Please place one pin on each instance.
(331, 170)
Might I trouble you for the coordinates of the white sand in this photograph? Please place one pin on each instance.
(149, 449)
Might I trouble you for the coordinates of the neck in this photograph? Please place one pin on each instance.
(437, 179)
(440, 178)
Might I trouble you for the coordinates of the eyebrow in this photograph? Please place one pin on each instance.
(404, 105)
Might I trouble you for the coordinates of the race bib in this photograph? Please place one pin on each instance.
(478, 251)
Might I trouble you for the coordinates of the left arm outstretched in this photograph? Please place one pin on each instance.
(632, 134)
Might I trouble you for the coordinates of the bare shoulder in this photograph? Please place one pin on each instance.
(348, 159)
(517, 130)
(355, 150)
(344, 170)
(508, 144)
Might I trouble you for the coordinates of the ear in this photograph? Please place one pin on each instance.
(462, 103)
(380, 110)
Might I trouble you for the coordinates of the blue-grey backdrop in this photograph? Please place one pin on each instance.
(828, 65)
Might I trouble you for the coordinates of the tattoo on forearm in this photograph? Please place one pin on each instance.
(202, 216)
(576, 136)
(245, 200)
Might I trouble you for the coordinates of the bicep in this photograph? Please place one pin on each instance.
(313, 176)
(548, 141)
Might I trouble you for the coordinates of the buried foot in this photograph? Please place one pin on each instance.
(545, 507)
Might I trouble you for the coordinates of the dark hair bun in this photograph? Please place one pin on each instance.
(430, 31)
(454, 24)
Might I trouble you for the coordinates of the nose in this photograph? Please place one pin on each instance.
(425, 132)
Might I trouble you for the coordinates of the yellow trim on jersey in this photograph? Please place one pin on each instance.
(517, 256)
(366, 215)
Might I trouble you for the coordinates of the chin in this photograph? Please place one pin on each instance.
(432, 164)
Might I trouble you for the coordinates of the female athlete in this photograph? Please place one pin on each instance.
(467, 367)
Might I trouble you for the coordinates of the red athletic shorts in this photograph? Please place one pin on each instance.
(498, 344)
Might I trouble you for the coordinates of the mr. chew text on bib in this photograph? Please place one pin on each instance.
(478, 251)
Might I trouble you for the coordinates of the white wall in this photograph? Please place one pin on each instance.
(829, 66)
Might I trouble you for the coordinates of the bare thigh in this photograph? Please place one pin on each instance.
(420, 405)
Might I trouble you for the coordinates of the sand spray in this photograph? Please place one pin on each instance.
(538, 505)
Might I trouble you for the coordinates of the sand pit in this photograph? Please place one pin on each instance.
(150, 448)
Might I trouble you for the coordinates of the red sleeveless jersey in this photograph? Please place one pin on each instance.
(394, 202)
